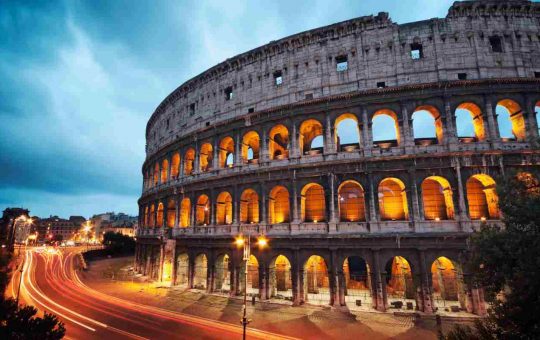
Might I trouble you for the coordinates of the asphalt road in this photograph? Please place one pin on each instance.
(50, 283)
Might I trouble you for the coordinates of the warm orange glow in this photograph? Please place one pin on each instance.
(437, 199)
(309, 129)
(185, 212)
(515, 114)
(262, 241)
(159, 218)
(188, 161)
(156, 174)
(224, 208)
(151, 217)
(226, 148)
(239, 241)
(171, 213)
(313, 203)
(393, 200)
(444, 279)
(164, 171)
(249, 206)
(206, 157)
(278, 146)
(250, 142)
(278, 205)
(315, 275)
(351, 202)
(175, 165)
(436, 120)
(202, 213)
(477, 119)
(482, 197)
(400, 283)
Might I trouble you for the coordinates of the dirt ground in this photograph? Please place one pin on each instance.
(111, 276)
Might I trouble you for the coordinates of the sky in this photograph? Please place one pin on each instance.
(80, 79)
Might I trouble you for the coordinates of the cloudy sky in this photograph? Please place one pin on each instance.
(80, 79)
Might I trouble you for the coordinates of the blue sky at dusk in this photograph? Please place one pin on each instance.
(79, 80)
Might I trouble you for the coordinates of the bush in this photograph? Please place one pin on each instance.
(21, 323)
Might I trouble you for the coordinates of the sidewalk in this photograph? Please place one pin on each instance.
(308, 322)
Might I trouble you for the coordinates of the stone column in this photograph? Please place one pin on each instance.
(425, 292)
(161, 261)
(449, 128)
(182, 167)
(178, 200)
(238, 149)
(236, 206)
(294, 152)
(297, 273)
(193, 211)
(264, 146)
(332, 220)
(417, 213)
(215, 160)
(378, 290)
(462, 214)
(296, 212)
(263, 281)
(191, 269)
(406, 133)
(210, 272)
(335, 281)
(233, 275)
(329, 144)
(169, 161)
(492, 126)
(373, 216)
(367, 133)
(263, 220)
(531, 125)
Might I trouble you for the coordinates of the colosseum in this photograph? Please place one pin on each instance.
(365, 152)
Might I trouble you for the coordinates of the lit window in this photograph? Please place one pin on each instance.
(341, 63)
(278, 78)
(416, 51)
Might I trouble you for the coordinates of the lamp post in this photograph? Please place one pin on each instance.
(245, 243)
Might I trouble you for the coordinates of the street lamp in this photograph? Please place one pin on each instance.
(245, 243)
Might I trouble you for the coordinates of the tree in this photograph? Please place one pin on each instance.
(506, 262)
(117, 243)
(21, 323)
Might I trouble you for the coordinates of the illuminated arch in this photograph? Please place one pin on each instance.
(252, 277)
(164, 171)
(399, 279)
(171, 213)
(437, 199)
(482, 197)
(189, 159)
(316, 281)
(250, 146)
(351, 202)
(313, 203)
(159, 217)
(393, 200)
(151, 216)
(427, 123)
(444, 280)
(175, 165)
(224, 208)
(278, 146)
(203, 210)
(309, 130)
(280, 277)
(222, 275)
(382, 122)
(357, 281)
(346, 132)
(185, 212)
(156, 174)
(200, 272)
(226, 152)
(146, 217)
(470, 121)
(182, 270)
(249, 206)
(509, 111)
(206, 157)
(278, 205)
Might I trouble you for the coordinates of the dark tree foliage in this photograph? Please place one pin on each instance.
(506, 262)
(117, 243)
(22, 323)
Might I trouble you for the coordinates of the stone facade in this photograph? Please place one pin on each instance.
(230, 152)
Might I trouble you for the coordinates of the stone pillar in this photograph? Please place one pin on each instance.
(191, 269)
(236, 206)
(264, 152)
(297, 269)
(406, 133)
(531, 125)
(449, 126)
(210, 272)
(367, 133)
(296, 208)
(373, 216)
(182, 167)
(335, 281)
(462, 214)
(332, 201)
(193, 210)
(378, 291)
(295, 152)
(492, 126)
(233, 275)
(238, 149)
(329, 144)
(263, 206)
(263, 281)
(213, 208)
(425, 292)
(161, 261)
(174, 267)
(478, 301)
(215, 160)
(417, 212)
(178, 200)
(197, 162)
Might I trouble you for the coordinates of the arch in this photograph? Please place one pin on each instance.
(182, 270)
(206, 157)
(381, 128)
(510, 119)
(469, 122)
(278, 145)
(249, 206)
(200, 272)
(250, 147)
(171, 213)
(316, 281)
(351, 202)
(399, 280)
(146, 217)
(357, 282)
(175, 165)
(278, 205)
(164, 171)
(189, 159)
(427, 125)
(437, 199)
(347, 132)
(444, 282)
(226, 152)
(222, 275)
(313, 203)
(185, 212)
(151, 217)
(224, 208)
(252, 287)
(393, 200)
(280, 278)
(309, 130)
(159, 217)
(156, 174)
(482, 197)
(202, 213)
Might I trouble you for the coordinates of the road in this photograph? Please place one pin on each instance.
(50, 283)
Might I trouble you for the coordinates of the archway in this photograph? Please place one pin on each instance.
(510, 120)
(351, 202)
(385, 128)
(164, 171)
(482, 197)
(146, 217)
(249, 206)
(469, 123)
(200, 272)
(357, 283)
(175, 165)
(222, 277)
(313, 203)
(280, 278)
(252, 278)
(226, 152)
(182, 270)
(159, 217)
(437, 199)
(156, 174)
(347, 133)
(224, 208)
(151, 217)
(444, 283)
(309, 131)
(189, 159)
(316, 281)
(171, 213)
(278, 205)
(185, 212)
(278, 146)
(427, 125)
(400, 288)
(393, 200)
(250, 147)
(202, 213)
(206, 157)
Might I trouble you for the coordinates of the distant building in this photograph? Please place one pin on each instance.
(118, 223)
(55, 227)
(11, 218)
